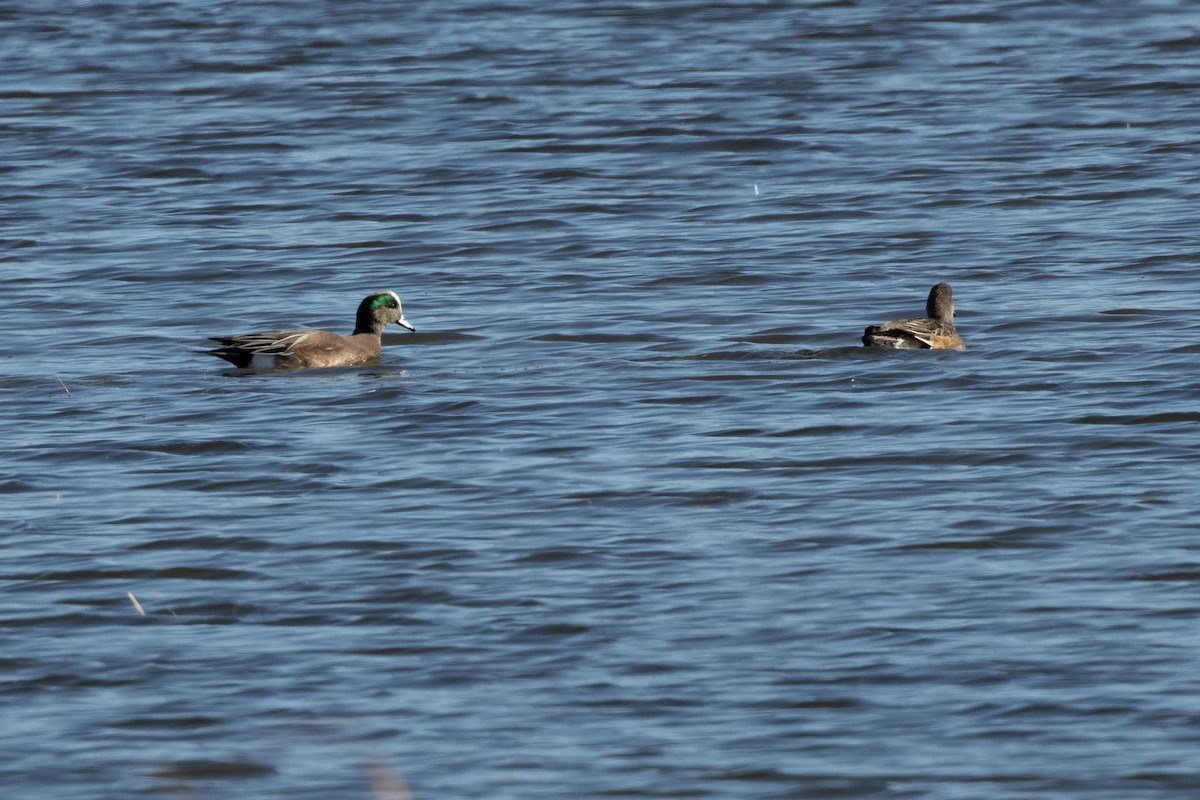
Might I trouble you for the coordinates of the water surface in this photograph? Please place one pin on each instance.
(633, 514)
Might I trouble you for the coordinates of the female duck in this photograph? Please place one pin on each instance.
(936, 332)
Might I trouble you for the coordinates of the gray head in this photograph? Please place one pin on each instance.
(940, 305)
(379, 310)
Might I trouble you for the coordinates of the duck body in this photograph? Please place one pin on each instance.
(306, 349)
(935, 332)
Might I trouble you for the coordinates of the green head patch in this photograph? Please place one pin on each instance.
(384, 300)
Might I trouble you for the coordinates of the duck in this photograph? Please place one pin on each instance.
(305, 349)
(935, 332)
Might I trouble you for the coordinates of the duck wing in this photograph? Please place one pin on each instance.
(904, 334)
(267, 343)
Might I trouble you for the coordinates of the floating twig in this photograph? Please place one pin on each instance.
(141, 611)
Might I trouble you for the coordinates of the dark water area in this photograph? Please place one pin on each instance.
(632, 514)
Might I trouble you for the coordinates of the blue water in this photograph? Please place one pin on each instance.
(633, 514)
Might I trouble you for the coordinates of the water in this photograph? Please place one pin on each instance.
(632, 514)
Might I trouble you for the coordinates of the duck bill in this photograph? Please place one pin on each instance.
(402, 322)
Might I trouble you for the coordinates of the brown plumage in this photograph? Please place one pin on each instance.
(935, 332)
(303, 349)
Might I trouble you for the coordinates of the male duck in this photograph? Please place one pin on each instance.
(934, 333)
(302, 349)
